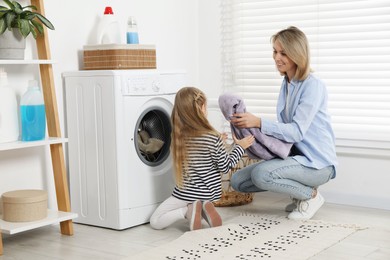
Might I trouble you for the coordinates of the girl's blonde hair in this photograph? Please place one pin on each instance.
(296, 47)
(188, 120)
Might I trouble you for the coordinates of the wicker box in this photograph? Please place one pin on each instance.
(24, 205)
(230, 197)
(119, 56)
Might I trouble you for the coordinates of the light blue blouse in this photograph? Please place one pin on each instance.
(303, 119)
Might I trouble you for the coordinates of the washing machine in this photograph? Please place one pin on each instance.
(118, 128)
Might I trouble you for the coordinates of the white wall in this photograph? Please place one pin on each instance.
(186, 34)
(362, 180)
(172, 25)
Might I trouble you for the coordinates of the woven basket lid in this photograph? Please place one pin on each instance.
(24, 196)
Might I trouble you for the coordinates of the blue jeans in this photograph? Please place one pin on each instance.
(284, 176)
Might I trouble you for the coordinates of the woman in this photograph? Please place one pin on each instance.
(303, 120)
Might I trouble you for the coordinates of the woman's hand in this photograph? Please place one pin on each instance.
(244, 142)
(245, 120)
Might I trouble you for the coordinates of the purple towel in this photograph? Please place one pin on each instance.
(265, 147)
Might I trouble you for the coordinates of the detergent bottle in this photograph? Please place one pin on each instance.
(132, 31)
(32, 113)
(108, 31)
(9, 123)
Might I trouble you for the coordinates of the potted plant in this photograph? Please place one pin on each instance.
(16, 23)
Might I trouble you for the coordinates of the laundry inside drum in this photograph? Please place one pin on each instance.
(153, 137)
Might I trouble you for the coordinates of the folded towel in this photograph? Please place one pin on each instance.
(265, 147)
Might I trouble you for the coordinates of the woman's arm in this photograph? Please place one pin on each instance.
(304, 109)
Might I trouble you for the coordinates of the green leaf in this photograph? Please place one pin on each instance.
(9, 19)
(33, 31)
(3, 26)
(24, 27)
(37, 26)
(18, 8)
(27, 15)
(2, 13)
(46, 22)
(9, 4)
(32, 7)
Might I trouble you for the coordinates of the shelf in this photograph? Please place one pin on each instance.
(53, 217)
(56, 150)
(20, 144)
(26, 62)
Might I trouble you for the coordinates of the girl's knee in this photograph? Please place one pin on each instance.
(155, 224)
(155, 221)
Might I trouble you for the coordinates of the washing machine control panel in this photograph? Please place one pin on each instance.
(140, 85)
(151, 84)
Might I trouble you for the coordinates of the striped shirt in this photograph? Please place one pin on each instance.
(207, 160)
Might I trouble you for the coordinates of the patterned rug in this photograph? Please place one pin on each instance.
(251, 236)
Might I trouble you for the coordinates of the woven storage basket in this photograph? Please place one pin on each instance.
(119, 56)
(231, 197)
(24, 205)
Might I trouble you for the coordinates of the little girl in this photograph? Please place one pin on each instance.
(199, 158)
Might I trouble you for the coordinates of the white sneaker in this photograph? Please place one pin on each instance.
(307, 208)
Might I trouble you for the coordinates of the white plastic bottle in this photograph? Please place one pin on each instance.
(32, 113)
(9, 123)
(108, 31)
(132, 31)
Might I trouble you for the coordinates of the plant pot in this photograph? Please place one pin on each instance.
(12, 45)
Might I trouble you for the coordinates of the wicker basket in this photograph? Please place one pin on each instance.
(231, 197)
(24, 205)
(119, 56)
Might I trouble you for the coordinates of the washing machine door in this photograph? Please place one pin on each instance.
(149, 175)
(153, 136)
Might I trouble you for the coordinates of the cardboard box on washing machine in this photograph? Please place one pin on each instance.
(119, 56)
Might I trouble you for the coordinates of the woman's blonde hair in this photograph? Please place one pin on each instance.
(296, 47)
(188, 120)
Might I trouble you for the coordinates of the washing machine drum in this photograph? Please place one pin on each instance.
(153, 137)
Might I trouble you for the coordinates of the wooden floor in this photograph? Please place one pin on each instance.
(91, 242)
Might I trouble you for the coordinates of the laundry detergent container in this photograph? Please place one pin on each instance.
(24, 205)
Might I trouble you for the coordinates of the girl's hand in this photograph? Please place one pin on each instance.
(244, 142)
(224, 137)
(245, 120)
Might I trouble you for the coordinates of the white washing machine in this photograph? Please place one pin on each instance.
(118, 127)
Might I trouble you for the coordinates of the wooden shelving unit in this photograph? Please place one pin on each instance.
(63, 215)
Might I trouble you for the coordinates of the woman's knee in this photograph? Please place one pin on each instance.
(261, 177)
(235, 182)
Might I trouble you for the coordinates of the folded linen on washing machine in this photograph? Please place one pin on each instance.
(147, 144)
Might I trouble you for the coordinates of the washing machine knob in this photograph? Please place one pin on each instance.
(155, 86)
